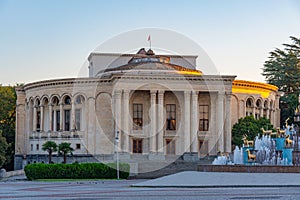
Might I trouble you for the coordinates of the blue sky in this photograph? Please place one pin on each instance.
(52, 39)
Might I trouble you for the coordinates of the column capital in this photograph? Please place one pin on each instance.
(195, 92)
(187, 92)
(195, 95)
(153, 92)
(126, 91)
(117, 93)
(161, 92)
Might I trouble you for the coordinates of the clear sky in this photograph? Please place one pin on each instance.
(52, 39)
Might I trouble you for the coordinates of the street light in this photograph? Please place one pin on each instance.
(117, 152)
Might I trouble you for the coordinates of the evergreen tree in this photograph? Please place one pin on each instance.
(249, 126)
(283, 70)
(7, 122)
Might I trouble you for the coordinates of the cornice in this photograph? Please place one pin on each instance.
(253, 85)
(120, 76)
(138, 55)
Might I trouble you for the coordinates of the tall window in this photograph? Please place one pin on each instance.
(77, 119)
(38, 121)
(171, 116)
(137, 146)
(57, 120)
(203, 118)
(137, 116)
(170, 147)
(67, 120)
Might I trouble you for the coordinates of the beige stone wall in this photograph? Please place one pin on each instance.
(99, 114)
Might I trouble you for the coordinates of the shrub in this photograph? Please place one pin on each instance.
(75, 171)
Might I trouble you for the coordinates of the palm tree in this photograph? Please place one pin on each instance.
(65, 149)
(50, 147)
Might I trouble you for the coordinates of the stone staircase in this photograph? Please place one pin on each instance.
(155, 169)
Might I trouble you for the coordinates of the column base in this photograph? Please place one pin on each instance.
(191, 156)
(156, 156)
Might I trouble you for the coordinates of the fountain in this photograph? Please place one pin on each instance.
(264, 150)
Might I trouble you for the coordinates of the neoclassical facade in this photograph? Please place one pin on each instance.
(143, 106)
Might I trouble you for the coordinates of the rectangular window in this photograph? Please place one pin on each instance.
(137, 146)
(57, 120)
(77, 119)
(31, 147)
(37, 147)
(78, 146)
(171, 117)
(67, 120)
(38, 121)
(203, 145)
(137, 116)
(203, 117)
(170, 147)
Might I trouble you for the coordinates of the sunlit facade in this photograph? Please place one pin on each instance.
(160, 106)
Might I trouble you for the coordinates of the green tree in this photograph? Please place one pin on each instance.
(283, 70)
(50, 147)
(249, 126)
(65, 149)
(7, 122)
(3, 148)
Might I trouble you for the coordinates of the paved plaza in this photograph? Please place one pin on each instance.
(19, 188)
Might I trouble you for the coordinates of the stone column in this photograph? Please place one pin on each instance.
(118, 128)
(34, 119)
(267, 113)
(50, 118)
(253, 111)
(61, 117)
(126, 117)
(194, 123)
(261, 112)
(72, 115)
(42, 119)
(91, 126)
(152, 132)
(220, 121)
(187, 109)
(160, 137)
(228, 123)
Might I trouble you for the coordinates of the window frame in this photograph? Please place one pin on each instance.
(137, 146)
(171, 124)
(203, 118)
(137, 112)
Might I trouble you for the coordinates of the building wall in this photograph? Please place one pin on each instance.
(104, 112)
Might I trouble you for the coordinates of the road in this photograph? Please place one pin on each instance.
(113, 189)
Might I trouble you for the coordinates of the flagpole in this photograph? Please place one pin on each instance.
(149, 39)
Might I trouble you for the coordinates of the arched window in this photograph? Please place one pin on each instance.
(249, 107)
(55, 125)
(67, 114)
(258, 109)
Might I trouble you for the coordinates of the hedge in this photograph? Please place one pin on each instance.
(75, 171)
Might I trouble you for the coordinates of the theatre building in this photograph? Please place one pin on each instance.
(143, 106)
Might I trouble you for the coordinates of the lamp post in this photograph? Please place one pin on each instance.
(117, 152)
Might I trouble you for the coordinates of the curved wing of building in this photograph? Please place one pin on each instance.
(158, 106)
